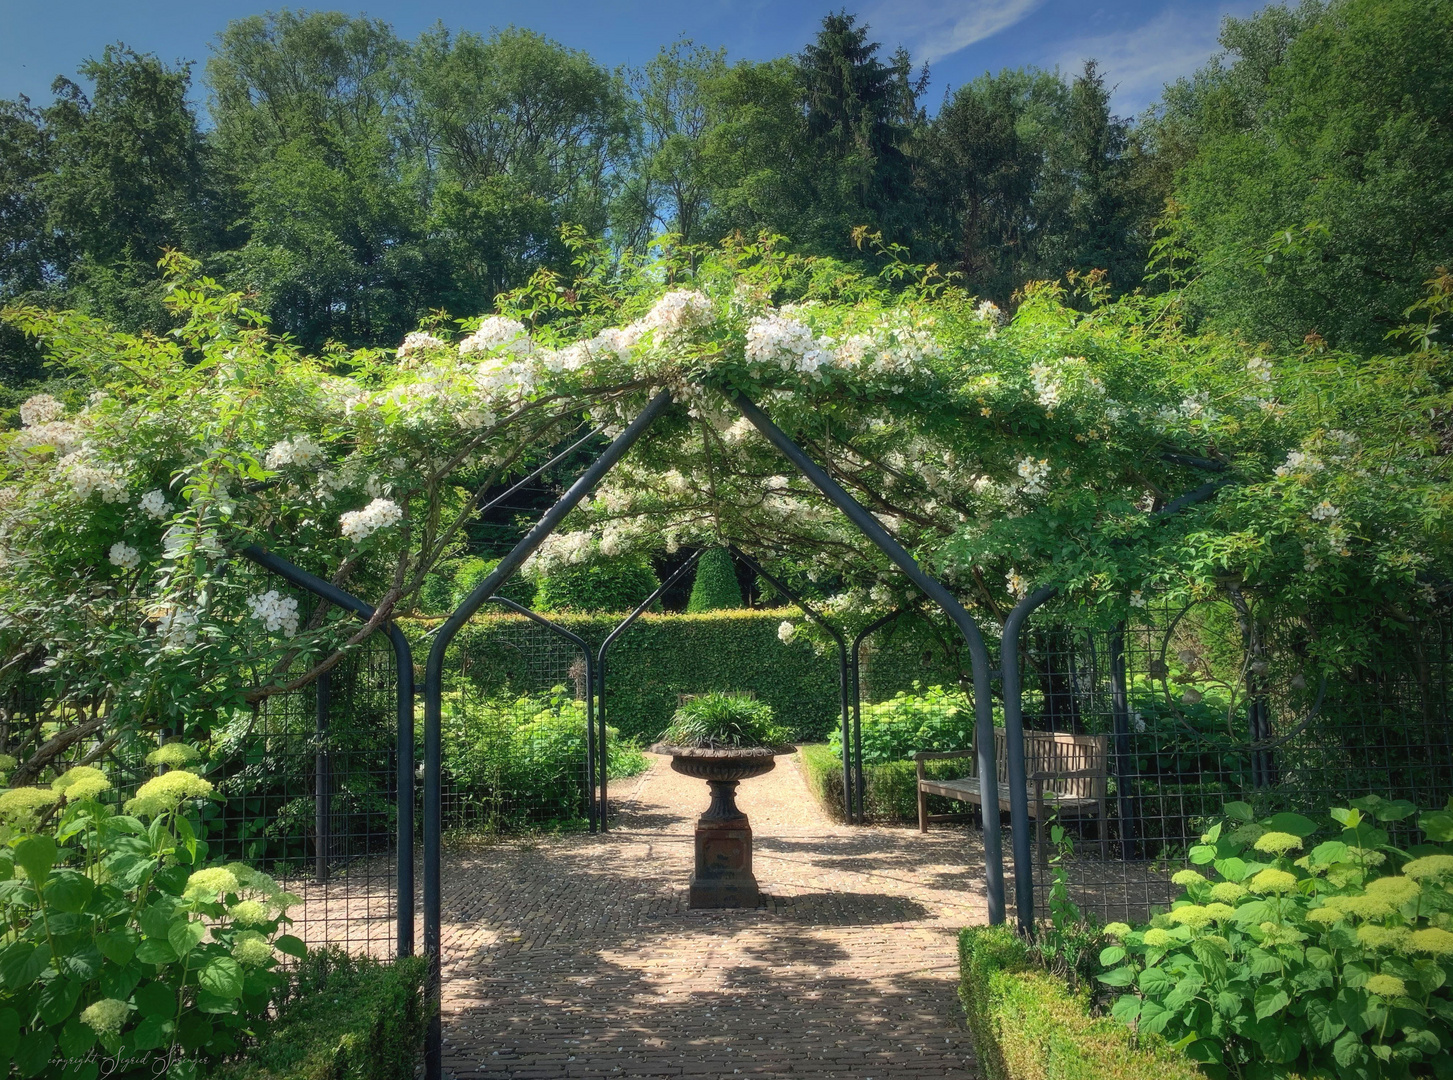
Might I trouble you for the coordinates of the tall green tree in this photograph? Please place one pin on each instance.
(1319, 198)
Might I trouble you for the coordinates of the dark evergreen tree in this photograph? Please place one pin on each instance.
(715, 587)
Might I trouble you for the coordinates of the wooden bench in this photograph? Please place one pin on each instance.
(1066, 775)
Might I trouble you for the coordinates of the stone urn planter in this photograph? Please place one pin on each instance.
(723, 874)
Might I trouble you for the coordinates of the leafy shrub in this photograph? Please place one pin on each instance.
(614, 585)
(720, 720)
(890, 790)
(1329, 957)
(524, 755)
(1027, 1025)
(931, 719)
(122, 949)
(342, 1018)
(715, 587)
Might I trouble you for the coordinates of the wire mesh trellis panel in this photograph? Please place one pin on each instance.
(1169, 718)
(514, 728)
(309, 794)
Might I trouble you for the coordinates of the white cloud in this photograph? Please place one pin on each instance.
(933, 29)
(1139, 62)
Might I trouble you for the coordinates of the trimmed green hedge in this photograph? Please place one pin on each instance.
(663, 656)
(890, 790)
(1027, 1025)
(715, 586)
(343, 1019)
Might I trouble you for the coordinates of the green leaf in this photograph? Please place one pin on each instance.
(1294, 824)
(1120, 976)
(33, 1053)
(9, 1033)
(1206, 1051)
(209, 1002)
(118, 982)
(1126, 1008)
(1154, 1017)
(1270, 1000)
(1285, 1044)
(1154, 980)
(1327, 852)
(152, 1032)
(196, 1031)
(82, 963)
(1232, 869)
(1111, 956)
(156, 999)
(1423, 1040)
(58, 999)
(1239, 811)
(1228, 1004)
(70, 891)
(36, 855)
(1202, 854)
(76, 1038)
(156, 919)
(22, 963)
(1348, 819)
(1437, 825)
(291, 946)
(222, 976)
(1323, 1023)
(119, 946)
(185, 935)
(152, 951)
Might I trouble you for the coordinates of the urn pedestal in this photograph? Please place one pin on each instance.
(722, 876)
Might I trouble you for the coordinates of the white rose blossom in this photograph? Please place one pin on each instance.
(275, 611)
(359, 525)
(786, 632)
(154, 504)
(123, 555)
(40, 410)
(299, 450)
(497, 332)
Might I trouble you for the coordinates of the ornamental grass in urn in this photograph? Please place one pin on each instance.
(723, 739)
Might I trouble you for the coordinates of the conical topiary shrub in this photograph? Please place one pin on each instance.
(715, 587)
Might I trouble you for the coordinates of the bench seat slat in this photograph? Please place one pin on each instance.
(968, 791)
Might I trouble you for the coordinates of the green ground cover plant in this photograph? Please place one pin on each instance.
(926, 718)
(1307, 947)
(123, 952)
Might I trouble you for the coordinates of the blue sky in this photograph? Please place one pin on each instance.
(1141, 44)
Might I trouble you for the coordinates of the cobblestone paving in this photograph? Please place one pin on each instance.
(577, 956)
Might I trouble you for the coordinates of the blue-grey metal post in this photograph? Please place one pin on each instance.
(605, 646)
(857, 691)
(404, 684)
(1120, 712)
(433, 709)
(842, 672)
(322, 781)
(978, 653)
(1014, 765)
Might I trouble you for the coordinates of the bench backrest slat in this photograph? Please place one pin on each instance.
(1056, 753)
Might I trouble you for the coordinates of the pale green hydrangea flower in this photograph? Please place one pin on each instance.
(163, 794)
(248, 913)
(22, 806)
(1273, 881)
(207, 884)
(1228, 892)
(1433, 940)
(105, 1017)
(1397, 891)
(1430, 868)
(1191, 915)
(82, 782)
(1221, 912)
(174, 755)
(1157, 938)
(251, 948)
(1387, 986)
(1277, 843)
(1116, 929)
(1372, 936)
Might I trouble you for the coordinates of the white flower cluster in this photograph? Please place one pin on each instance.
(679, 310)
(1137, 598)
(177, 628)
(1016, 584)
(1259, 369)
(417, 342)
(1047, 386)
(154, 504)
(1034, 472)
(776, 339)
(990, 312)
(1325, 511)
(561, 549)
(124, 555)
(275, 611)
(87, 480)
(786, 632)
(359, 525)
(1298, 463)
(299, 450)
(497, 332)
(40, 409)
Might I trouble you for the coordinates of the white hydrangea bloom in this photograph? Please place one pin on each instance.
(87, 480)
(40, 409)
(275, 611)
(124, 555)
(154, 504)
(359, 525)
(497, 332)
(1034, 472)
(299, 450)
(786, 632)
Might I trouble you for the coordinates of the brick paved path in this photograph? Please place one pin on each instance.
(577, 956)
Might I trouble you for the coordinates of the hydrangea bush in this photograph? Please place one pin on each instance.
(122, 953)
(1301, 950)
